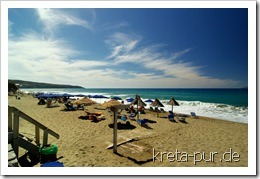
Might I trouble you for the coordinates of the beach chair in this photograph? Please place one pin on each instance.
(142, 121)
(69, 107)
(123, 118)
(80, 107)
(193, 114)
(171, 117)
(181, 119)
(132, 116)
(162, 110)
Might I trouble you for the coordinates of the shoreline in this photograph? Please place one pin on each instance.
(83, 143)
(205, 109)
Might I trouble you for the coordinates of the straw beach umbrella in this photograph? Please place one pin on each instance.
(157, 103)
(173, 102)
(86, 101)
(138, 101)
(111, 103)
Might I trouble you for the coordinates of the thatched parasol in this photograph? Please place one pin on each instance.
(138, 101)
(157, 103)
(173, 102)
(86, 101)
(111, 103)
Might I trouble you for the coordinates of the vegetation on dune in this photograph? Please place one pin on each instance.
(30, 84)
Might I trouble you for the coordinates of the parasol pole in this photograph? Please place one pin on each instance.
(137, 109)
(115, 131)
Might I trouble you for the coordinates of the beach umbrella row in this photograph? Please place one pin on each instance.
(50, 95)
(97, 96)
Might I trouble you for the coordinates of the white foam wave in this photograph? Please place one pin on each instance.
(214, 110)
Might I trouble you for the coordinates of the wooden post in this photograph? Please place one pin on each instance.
(10, 120)
(115, 131)
(45, 137)
(16, 132)
(115, 110)
(37, 135)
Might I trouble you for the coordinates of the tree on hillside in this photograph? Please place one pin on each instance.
(12, 87)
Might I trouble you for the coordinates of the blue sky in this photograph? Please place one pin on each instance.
(130, 48)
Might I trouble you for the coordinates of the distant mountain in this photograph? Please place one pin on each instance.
(30, 84)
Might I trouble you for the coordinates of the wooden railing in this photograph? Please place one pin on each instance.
(14, 116)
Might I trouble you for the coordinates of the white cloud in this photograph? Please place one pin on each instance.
(122, 43)
(33, 57)
(53, 18)
(176, 73)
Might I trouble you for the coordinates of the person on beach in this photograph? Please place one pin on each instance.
(171, 116)
(68, 104)
(41, 101)
(132, 110)
(141, 109)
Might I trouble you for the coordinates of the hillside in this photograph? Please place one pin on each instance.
(30, 84)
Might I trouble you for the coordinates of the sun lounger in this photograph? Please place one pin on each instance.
(181, 119)
(132, 116)
(193, 114)
(142, 121)
(156, 109)
(69, 108)
(162, 110)
(123, 118)
(81, 107)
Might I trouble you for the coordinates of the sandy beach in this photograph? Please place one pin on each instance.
(162, 143)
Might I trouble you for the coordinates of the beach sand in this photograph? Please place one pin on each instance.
(84, 143)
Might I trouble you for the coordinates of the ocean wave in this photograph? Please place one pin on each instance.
(215, 110)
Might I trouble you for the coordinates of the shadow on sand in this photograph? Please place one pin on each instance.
(123, 126)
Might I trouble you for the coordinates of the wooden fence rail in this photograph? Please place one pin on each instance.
(14, 116)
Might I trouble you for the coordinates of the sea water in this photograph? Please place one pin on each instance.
(226, 104)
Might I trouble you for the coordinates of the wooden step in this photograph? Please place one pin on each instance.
(12, 158)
